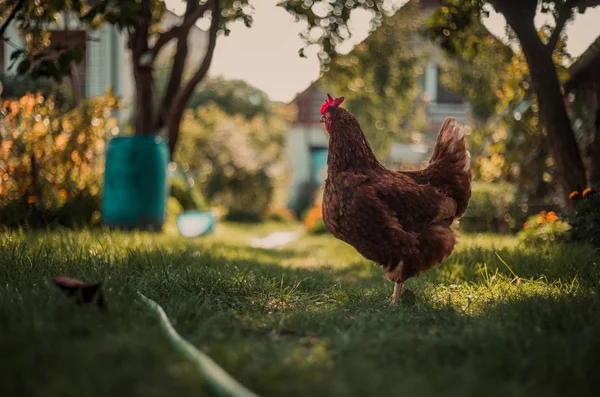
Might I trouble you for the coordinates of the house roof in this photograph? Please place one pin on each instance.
(585, 69)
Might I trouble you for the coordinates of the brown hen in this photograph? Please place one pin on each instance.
(399, 220)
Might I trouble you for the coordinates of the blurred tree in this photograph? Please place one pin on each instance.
(51, 161)
(327, 26)
(383, 73)
(495, 79)
(140, 19)
(238, 159)
(236, 97)
(327, 22)
(457, 20)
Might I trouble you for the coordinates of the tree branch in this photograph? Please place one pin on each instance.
(205, 65)
(11, 16)
(192, 12)
(563, 16)
(138, 38)
(174, 83)
(178, 104)
(190, 18)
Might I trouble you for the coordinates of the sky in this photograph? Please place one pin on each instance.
(266, 55)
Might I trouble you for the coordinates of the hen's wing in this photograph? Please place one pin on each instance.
(414, 206)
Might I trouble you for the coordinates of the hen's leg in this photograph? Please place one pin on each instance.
(399, 289)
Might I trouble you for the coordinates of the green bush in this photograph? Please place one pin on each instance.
(544, 228)
(238, 163)
(585, 220)
(19, 86)
(489, 208)
(51, 161)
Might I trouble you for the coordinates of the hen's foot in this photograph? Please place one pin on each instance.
(399, 289)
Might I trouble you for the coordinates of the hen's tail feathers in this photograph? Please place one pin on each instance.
(451, 161)
(450, 146)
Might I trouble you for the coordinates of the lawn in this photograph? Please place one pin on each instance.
(311, 319)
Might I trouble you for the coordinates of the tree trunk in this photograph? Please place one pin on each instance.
(144, 82)
(553, 113)
(143, 72)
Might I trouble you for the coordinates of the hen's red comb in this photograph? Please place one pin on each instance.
(331, 102)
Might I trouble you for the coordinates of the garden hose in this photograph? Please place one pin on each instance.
(219, 380)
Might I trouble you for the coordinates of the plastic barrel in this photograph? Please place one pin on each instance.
(135, 183)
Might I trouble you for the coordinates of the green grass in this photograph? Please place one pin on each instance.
(311, 319)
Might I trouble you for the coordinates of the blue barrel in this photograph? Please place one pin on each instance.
(135, 183)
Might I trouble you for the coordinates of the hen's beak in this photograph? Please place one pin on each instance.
(322, 119)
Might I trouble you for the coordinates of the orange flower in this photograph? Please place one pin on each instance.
(313, 215)
(526, 225)
(575, 194)
(551, 217)
(62, 193)
(588, 192)
(541, 220)
(543, 214)
(31, 200)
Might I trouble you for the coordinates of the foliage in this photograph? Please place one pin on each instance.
(457, 27)
(327, 22)
(238, 163)
(490, 208)
(236, 97)
(383, 75)
(173, 210)
(51, 161)
(42, 58)
(544, 228)
(497, 83)
(18, 86)
(512, 132)
(188, 199)
(476, 58)
(585, 220)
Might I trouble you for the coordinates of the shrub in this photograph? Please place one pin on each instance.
(238, 163)
(543, 228)
(51, 169)
(585, 220)
(489, 208)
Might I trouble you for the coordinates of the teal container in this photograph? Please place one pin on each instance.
(135, 183)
